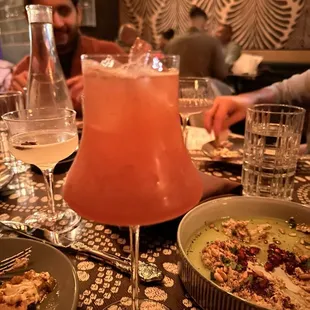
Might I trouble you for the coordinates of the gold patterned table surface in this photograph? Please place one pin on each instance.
(100, 285)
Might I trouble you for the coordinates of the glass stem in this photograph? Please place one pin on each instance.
(184, 124)
(134, 232)
(49, 184)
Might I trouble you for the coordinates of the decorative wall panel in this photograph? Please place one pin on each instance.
(257, 24)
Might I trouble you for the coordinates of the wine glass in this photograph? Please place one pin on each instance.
(10, 101)
(43, 137)
(138, 171)
(195, 96)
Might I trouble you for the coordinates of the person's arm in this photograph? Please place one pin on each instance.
(263, 95)
(219, 69)
(22, 66)
(293, 90)
(20, 75)
(19, 81)
(228, 110)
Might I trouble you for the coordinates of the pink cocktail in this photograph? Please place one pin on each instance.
(132, 167)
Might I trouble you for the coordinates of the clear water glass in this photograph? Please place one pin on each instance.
(271, 150)
(10, 101)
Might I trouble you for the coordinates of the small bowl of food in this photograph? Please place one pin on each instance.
(246, 253)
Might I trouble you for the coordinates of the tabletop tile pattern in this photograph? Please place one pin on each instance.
(100, 285)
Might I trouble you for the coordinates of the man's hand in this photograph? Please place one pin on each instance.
(19, 81)
(76, 86)
(226, 111)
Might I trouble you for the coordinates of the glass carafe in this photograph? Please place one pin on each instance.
(132, 167)
(47, 86)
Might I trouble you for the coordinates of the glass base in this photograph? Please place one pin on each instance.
(62, 221)
(18, 166)
(267, 195)
(144, 304)
(5, 177)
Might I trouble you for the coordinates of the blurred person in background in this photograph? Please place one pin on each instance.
(6, 69)
(6, 73)
(127, 35)
(70, 44)
(228, 110)
(201, 55)
(198, 20)
(165, 37)
(231, 49)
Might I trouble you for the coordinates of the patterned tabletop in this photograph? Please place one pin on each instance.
(100, 285)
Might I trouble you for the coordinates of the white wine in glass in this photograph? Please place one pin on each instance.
(48, 148)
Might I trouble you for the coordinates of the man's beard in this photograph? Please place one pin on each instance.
(70, 44)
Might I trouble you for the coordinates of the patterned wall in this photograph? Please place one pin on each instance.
(257, 24)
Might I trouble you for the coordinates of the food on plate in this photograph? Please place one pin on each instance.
(18, 263)
(299, 226)
(223, 150)
(26, 291)
(264, 261)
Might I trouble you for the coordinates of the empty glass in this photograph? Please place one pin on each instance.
(271, 148)
(10, 101)
(195, 96)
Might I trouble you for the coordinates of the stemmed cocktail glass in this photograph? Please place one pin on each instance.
(195, 96)
(43, 137)
(132, 153)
